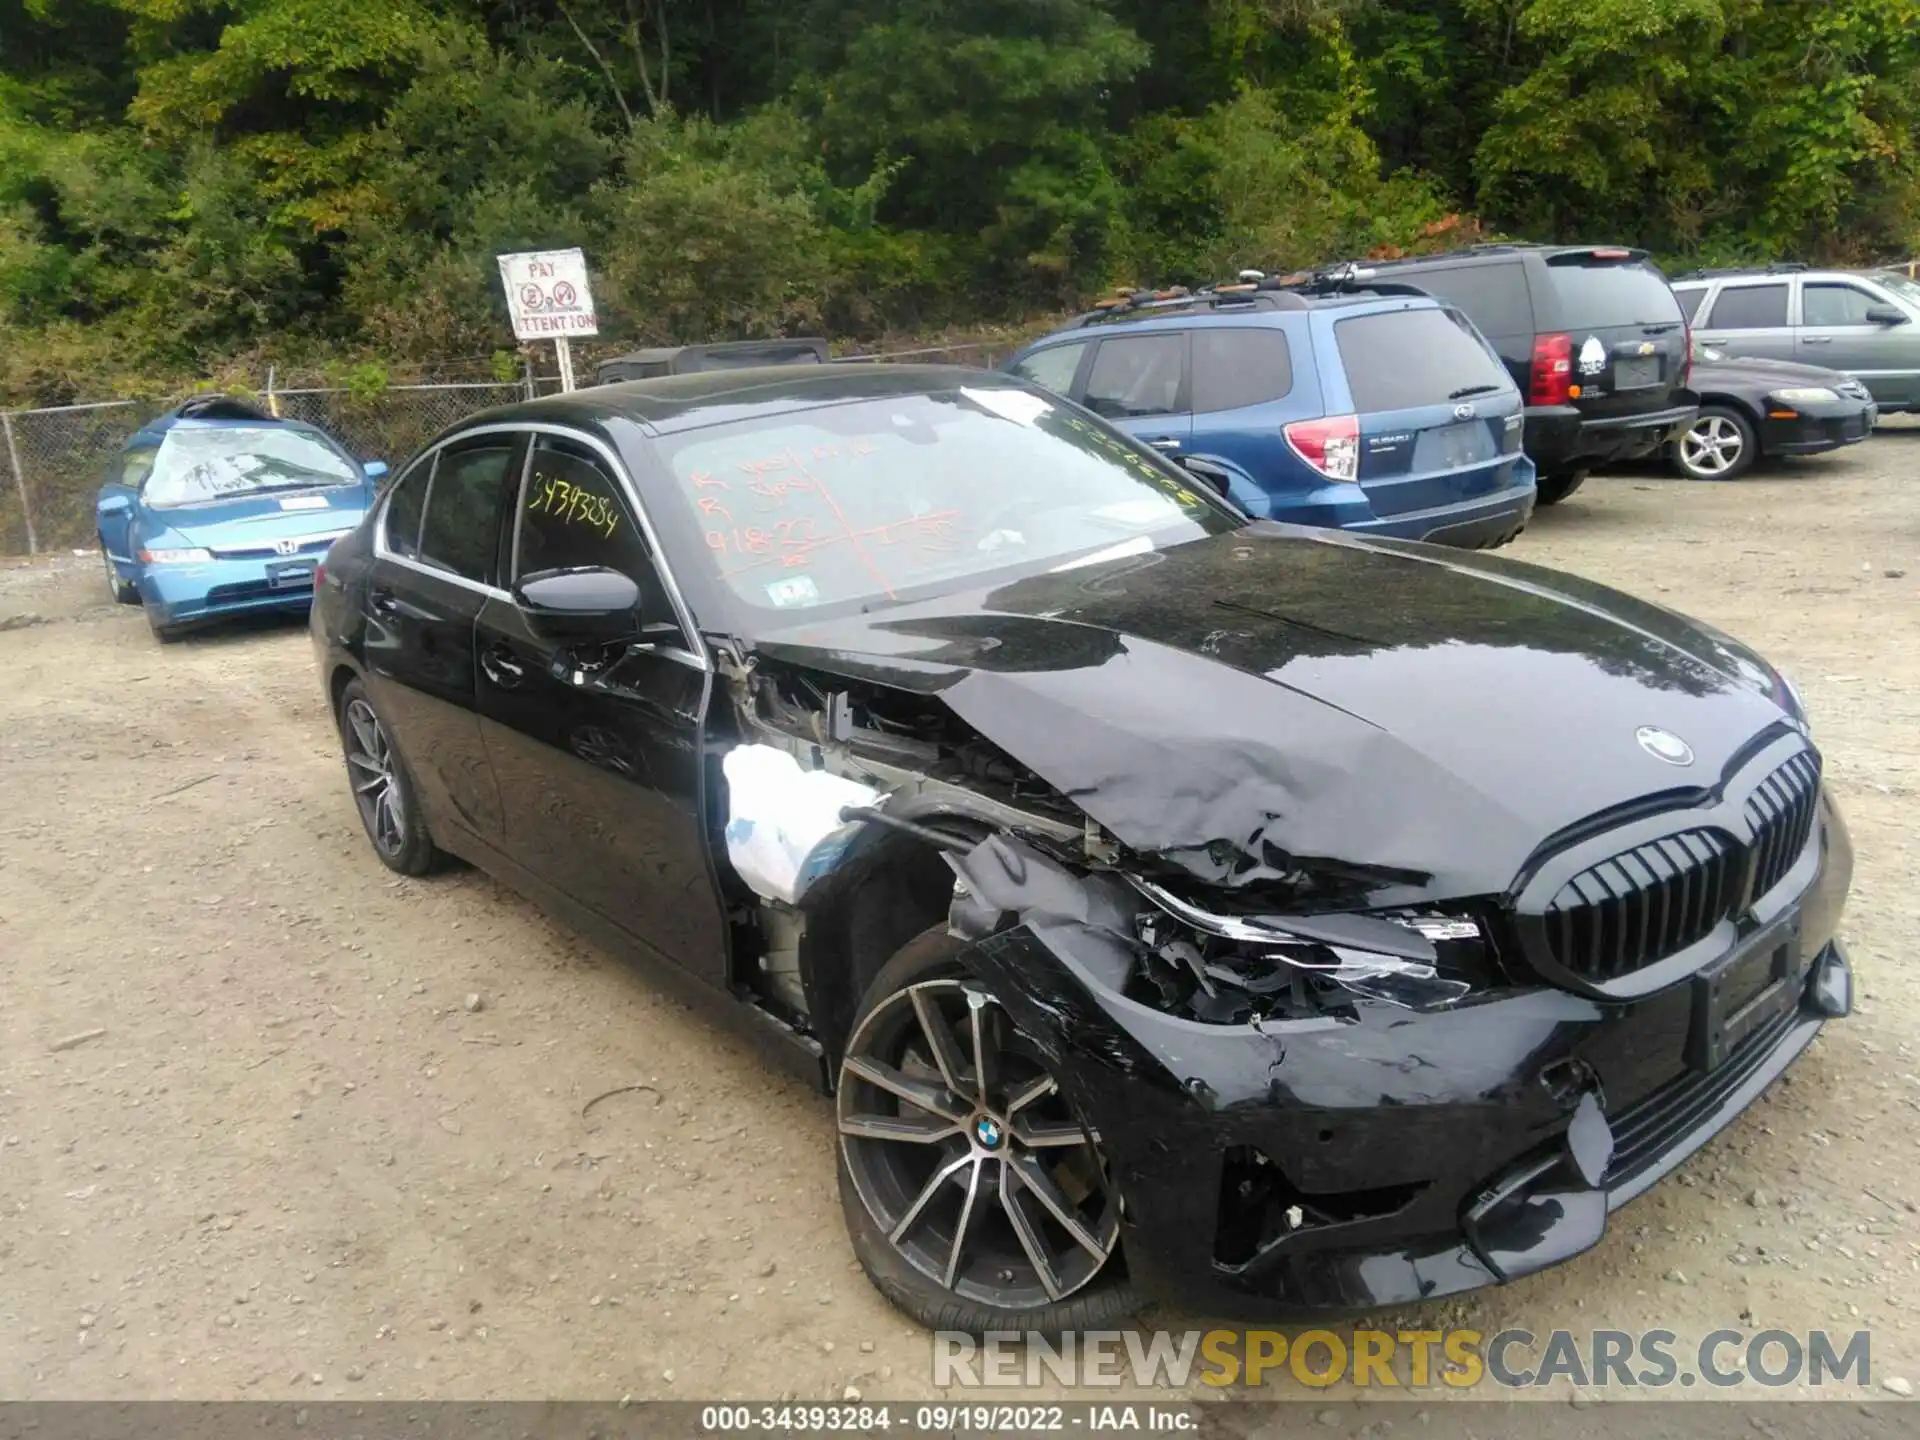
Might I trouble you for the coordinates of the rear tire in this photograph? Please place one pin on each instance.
(383, 789)
(1721, 444)
(937, 1173)
(1552, 489)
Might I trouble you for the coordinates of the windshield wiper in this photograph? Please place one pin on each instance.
(1467, 390)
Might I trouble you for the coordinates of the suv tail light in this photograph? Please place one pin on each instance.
(319, 573)
(1331, 446)
(1686, 353)
(1552, 370)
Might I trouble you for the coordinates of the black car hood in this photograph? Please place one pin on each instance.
(1280, 700)
(1744, 373)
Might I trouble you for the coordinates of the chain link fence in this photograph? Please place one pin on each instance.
(53, 461)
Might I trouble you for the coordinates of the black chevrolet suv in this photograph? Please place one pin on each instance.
(1592, 335)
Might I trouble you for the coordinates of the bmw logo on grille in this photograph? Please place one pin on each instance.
(988, 1129)
(1664, 745)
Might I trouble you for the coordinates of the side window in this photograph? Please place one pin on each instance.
(1494, 296)
(1052, 369)
(1690, 300)
(1232, 368)
(1137, 375)
(1749, 307)
(406, 503)
(461, 533)
(1834, 305)
(135, 468)
(572, 514)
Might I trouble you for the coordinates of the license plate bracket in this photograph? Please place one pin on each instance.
(292, 575)
(1636, 372)
(1742, 992)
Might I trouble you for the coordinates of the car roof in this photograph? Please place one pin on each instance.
(1495, 250)
(155, 430)
(669, 403)
(1260, 309)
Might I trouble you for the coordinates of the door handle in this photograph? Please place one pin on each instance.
(1816, 339)
(382, 602)
(1165, 443)
(501, 668)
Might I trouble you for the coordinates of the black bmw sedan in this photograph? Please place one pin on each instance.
(1263, 917)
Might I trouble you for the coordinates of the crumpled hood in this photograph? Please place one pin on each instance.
(1418, 719)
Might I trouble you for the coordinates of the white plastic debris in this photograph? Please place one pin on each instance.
(784, 829)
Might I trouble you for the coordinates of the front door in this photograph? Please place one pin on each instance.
(1834, 331)
(598, 748)
(435, 564)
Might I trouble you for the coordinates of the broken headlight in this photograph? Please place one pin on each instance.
(1232, 968)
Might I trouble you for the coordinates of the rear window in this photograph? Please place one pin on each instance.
(1405, 358)
(1595, 294)
(1235, 368)
(1494, 296)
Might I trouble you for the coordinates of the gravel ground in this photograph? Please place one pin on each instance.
(274, 1122)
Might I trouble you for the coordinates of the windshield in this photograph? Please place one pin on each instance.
(197, 464)
(858, 502)
(1908, 290)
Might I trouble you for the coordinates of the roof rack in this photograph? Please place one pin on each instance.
(1346, 278)
(1253, 291)
(1778, 267)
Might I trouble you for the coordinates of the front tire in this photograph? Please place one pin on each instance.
(1552, 489)
(973, 1204)
(123, 591)
(383, 790)
(1721, 444)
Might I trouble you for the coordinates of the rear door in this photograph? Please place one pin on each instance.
(1749, 318)
(435, 565)
(1834, 331)
(1439, 417)
(1139, 382)
(1246, 383)
(1626, 335)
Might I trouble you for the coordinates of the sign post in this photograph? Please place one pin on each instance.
(548, 297)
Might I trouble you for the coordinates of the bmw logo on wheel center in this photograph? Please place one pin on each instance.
(988, 1131)
(1664, 745)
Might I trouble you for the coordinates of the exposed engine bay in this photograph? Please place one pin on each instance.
(823, 765)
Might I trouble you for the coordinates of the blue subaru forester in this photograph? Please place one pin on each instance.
(1381, 411)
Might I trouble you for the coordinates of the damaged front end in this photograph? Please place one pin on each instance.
(1318, 1084)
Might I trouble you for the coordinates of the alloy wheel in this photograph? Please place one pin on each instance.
(966, 1155)
(1712, 446)
(376, 789)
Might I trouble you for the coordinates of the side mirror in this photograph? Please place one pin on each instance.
(1886, 315)
(115, 505)
(587, 605)
(374, 469)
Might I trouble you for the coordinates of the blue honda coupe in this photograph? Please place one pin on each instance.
(217, 509)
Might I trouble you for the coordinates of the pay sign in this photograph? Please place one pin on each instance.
(547, 294)
(548, 297)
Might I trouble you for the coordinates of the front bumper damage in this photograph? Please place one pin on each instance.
(1389, 1155)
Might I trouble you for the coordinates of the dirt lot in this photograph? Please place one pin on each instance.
(299, 1160)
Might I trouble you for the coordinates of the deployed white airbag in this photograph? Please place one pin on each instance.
(784, 829)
